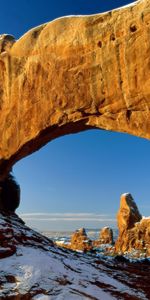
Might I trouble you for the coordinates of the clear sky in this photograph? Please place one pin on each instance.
(76, 180)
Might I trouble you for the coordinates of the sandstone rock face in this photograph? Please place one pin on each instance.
(106, 235)
(134, 231)
(73, 74)
(128, 213)
(80, 241)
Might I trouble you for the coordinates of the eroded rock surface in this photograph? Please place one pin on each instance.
(105, 238)
(73, 74)
(128, 213)
(134, 231)
(106, 235)
(80, 241)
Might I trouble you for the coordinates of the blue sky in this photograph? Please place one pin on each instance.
(76, 180)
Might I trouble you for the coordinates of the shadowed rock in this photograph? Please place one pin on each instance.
(9, 194)
(6, 42)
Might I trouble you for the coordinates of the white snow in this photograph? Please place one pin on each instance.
(62, 277)
(41, 297)
(125, 194)
(145, 217)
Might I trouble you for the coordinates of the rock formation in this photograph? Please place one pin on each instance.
(31, 267)
(9, 194)
(80, 241)
(73, 74)
(106, 235)
(134, 231)
(128, 213)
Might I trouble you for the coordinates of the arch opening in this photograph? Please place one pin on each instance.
(89, 170)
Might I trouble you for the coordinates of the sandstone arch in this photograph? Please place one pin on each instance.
(73, 74)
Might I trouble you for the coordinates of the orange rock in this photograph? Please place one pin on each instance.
(80, 241)
(73, 74)
(134, 231)
(128, 213)
(106, 235)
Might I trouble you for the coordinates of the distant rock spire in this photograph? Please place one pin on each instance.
(128, 213)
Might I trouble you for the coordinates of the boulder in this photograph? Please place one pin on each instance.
(9, 194)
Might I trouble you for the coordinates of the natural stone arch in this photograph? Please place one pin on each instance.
(73, 74)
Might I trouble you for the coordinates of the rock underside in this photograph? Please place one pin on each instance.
(32, 267)
(73, 74)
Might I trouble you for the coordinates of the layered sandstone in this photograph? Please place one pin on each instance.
(73, 74)
(134, 231)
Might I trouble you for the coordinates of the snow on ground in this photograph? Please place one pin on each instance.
(39, 270)
(60, 275)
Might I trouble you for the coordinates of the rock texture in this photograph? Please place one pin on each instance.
(73, 74)
(134, 231)
(106, 235)
(128, 213)
(80, 241)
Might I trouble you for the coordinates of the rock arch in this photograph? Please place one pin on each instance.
(73, 74)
